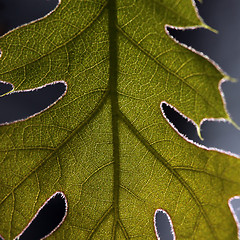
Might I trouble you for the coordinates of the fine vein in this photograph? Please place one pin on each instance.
(168, 166)
(60, 146)
(166, 68)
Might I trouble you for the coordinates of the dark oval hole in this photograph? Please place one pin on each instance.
(163, 225)
(48, 219)
(5, 87)
(183, 125)
(23, 104)
(14, 13)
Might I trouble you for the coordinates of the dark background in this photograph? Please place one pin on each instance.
(223, 48)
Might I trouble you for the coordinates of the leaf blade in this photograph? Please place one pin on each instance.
(106, 144)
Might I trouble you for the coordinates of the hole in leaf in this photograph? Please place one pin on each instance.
(14, 13)
(1, 238)
(163, 225)
(49, 217)
(23, 104)
(5, 87)
(183, 125)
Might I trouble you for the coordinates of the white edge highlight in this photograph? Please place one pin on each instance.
(197, 127)
(66, 209)
(36, 20)
(225, 78)
(7, 83)
(169, 220)
(204, 25)
(233, 213)
(36, 89)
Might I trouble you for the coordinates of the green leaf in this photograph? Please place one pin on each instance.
(106, 144)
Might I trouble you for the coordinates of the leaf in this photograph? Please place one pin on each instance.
(105, 144)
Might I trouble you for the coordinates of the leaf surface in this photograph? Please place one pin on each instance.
(106, 144)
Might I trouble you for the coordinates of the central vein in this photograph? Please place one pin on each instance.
(113, 71)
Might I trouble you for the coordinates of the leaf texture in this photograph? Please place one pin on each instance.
(106, 144)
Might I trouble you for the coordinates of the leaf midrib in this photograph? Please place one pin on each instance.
(113, 82)
(95, 111)
(116, 116)
(131, 40)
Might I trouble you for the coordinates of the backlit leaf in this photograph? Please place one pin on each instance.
(106, 144)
